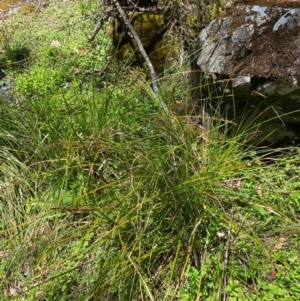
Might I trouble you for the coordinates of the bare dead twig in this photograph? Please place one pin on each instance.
(140, 46)
(38, 6)
(95, 31)
(226, 260)
(278, 116)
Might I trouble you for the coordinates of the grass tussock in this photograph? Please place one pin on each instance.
(106, 193)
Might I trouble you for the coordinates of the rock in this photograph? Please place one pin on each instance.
(5, 92)
(11, 7)
(253, 52)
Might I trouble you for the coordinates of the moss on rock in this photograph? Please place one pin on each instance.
(10, 7)
(27, 8)
(150, 28)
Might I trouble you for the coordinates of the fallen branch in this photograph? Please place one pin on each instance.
(140, 45)
(95, 31)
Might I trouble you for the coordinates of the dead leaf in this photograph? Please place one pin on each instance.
(3, 254)
(279, 245)
(234, 183)
(272, 275)
(55, 44)
(76, 71)
(13, 291)
(40, 294)
(238, 183)
(270, 210)
(259, 191)
(80, 51)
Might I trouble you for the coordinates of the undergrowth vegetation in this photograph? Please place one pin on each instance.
(106, 195)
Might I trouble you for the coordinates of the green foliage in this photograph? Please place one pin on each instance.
(201, 282)
(109, 194)
(15, 53)
(39, 82)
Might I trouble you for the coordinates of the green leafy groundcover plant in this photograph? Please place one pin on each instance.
(108, 195)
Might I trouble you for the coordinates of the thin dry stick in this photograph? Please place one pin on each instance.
(140, 46)
(226, 264)
(278, 116)
(95, 31)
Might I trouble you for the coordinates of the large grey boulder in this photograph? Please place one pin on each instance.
(254, 52)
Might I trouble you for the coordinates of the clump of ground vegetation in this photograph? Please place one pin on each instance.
(107, 193)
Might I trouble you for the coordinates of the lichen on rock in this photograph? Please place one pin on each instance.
(11, 7)
(253, 53)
